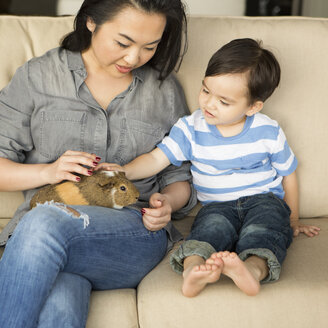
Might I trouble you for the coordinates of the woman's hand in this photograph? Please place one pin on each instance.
(173, 197)
(66, 165)
(159, 214)
(308, 230)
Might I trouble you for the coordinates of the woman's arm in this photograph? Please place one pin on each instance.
(172, 198)
(17, 176)
(290, 186)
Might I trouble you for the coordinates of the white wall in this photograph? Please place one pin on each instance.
(68, 7)
(194, 7)
(216, 7)
(315, 8)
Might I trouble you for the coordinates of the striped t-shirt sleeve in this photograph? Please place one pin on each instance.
(282, 157)
(177, 146)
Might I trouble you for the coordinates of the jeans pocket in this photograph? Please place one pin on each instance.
(281, 202)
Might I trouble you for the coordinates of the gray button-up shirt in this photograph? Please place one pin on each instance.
(47, 109)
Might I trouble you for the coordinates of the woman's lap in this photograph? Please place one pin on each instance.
(114, 251)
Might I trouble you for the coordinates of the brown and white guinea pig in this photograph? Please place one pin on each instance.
(103, 188)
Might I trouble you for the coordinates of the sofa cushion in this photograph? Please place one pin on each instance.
(113, 308)
(299, 299)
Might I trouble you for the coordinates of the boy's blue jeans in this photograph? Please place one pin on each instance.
(52, 262)
(254, 225)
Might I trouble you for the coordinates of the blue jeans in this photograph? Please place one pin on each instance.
(52, 261)
(254, 225)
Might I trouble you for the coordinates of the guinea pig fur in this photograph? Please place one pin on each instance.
(103, 188)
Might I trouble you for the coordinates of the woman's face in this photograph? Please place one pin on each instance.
(124, 43)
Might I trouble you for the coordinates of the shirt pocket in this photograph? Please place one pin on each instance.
(138, 137)
(61, 131)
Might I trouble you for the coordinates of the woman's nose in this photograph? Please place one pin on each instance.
(132, 57)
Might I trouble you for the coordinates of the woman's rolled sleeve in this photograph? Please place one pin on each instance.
(16, 106)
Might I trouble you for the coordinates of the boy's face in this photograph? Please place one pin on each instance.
(223, 99)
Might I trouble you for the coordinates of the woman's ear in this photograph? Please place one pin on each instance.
(91, 26)
(255, 108)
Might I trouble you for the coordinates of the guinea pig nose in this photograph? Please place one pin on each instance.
(122, 188)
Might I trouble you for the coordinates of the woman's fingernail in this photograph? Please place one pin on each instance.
(98, 158)
(143, 211)
(78, 179)
(95, 163)
(90, 172)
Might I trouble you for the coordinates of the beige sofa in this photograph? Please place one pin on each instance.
(300, 298)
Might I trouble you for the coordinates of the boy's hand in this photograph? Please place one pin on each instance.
(109, 167)
(308, 230)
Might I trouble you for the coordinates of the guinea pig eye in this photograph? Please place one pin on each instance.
(123, 188)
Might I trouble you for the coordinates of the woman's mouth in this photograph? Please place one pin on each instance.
(123, 69)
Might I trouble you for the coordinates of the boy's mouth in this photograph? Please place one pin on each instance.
(208, 114)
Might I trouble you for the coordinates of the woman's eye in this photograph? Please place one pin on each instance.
(150, 49)
(205, 91)
(224, 103)
(122, 45)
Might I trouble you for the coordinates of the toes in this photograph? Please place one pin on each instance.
(202, 267)
(196, 268)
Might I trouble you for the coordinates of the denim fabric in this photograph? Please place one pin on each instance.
(255, 225)
(114, 251)
(68, 302)
(47, 109)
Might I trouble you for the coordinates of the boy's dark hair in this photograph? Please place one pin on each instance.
(248, 55)
(170, 50)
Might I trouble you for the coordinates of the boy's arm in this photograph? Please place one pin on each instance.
(146, 165)
(290, 186)
(141, 167)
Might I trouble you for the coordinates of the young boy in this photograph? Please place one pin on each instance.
(243, 171)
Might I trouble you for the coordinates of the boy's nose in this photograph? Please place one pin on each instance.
(211, 103)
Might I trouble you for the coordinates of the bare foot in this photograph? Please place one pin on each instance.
(195, 278)
(237, 270)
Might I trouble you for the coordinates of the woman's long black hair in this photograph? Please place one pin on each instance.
(170, 50)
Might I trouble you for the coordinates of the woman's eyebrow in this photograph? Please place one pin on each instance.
(130, 39)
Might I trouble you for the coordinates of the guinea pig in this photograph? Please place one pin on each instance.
(102, 188)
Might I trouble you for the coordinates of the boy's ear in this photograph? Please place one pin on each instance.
(91, 26)
(255, 108)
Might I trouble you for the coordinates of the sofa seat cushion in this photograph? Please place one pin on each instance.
(299, 299)
(113, 308)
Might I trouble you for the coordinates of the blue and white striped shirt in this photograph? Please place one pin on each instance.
(227, 168)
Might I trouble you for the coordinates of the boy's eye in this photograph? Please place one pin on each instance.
(122, 45)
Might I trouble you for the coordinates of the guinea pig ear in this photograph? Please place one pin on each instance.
(104, 178)
(122, 174)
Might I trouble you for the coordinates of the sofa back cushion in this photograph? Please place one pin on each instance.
(299, 104)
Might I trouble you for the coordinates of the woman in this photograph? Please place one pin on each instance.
(105, 95)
